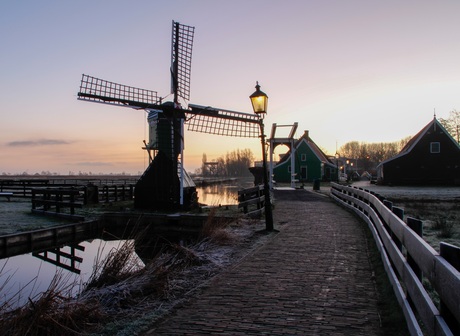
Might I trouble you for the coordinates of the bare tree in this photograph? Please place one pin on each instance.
(235, 163)
(452, 124)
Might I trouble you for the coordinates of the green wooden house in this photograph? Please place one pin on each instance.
(310, 163)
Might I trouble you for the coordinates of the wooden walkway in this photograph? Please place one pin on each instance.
(312, 278)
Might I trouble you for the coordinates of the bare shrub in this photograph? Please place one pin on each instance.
(214, 229)
(445, 225)
(119, 264)
(53, 312)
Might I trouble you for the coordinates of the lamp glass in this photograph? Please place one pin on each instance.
(259, 101)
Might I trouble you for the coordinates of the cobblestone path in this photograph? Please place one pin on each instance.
(311, 278)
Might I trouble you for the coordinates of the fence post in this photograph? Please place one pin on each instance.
(106, 191)
(123, 197)
(417, 226)
(72, 203)
(34, 205)
(452, 255)
(399, 212)
(388, 204)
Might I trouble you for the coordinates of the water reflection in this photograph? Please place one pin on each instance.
(26, 276)
(222, 193)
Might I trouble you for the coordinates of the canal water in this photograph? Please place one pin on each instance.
(27, 276)
(225, 193)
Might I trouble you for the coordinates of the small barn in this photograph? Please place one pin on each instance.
(431, 157)
(310, 163)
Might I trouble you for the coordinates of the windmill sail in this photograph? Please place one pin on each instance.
(101, 91)
(206, 119)
(181, 60)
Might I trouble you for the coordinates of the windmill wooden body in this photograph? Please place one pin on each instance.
(165, 185)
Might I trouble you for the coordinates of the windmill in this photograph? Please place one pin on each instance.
(165, 185)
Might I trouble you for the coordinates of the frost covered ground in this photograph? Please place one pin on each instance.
(413, 192)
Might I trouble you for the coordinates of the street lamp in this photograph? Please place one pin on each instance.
(259, 101)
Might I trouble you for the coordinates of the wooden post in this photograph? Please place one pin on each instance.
(33, 199)
(417, 226)
(58, 198)
(388, 204)
(123, 196)
(72, 203)
(452, 255)
(399, 212)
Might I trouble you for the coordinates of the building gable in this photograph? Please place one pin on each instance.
(431, 156)
(309, 160)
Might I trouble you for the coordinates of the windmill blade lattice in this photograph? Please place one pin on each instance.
(206, 119)
(102, 91)
(181, 59)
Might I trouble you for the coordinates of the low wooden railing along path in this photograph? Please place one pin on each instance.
(408, 259)
(252, 200)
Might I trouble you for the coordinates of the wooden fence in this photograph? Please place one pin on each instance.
(94, 190)
(252, 200)
(54, 200)
(407, 260)
(21, 187)
(114, 193)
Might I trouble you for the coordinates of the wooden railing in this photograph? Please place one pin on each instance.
(54, 200)
(95, 190)
(22, 187)
(114, 193)
(252, 200)
(407, 259)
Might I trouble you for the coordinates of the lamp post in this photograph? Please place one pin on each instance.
(337, 164)
(259, 101)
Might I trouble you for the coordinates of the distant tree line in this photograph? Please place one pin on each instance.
(235, 163)
(373, 152)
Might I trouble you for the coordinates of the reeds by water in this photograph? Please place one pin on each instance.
(118, 282)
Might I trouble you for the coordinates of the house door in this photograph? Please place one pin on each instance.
(303, 172)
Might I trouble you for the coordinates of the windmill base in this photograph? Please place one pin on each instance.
(158, 188)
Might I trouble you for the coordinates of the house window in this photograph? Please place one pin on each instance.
(303, 172)
(303, 157)
(435, 147)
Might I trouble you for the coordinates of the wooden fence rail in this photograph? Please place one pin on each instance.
(116, 193)
(22, 187)
(407, 258)
(54, 200)
(95, 190)
(252, 200)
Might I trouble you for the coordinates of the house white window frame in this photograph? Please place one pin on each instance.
(435, 147)
(303, 157)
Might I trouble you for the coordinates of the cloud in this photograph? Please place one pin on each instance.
(94, 164)
(40, 142)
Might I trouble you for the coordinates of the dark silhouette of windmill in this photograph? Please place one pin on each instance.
(165, 185)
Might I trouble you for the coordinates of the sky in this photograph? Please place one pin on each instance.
(356, 70)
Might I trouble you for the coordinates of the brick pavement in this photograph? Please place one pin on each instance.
(312, 278)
